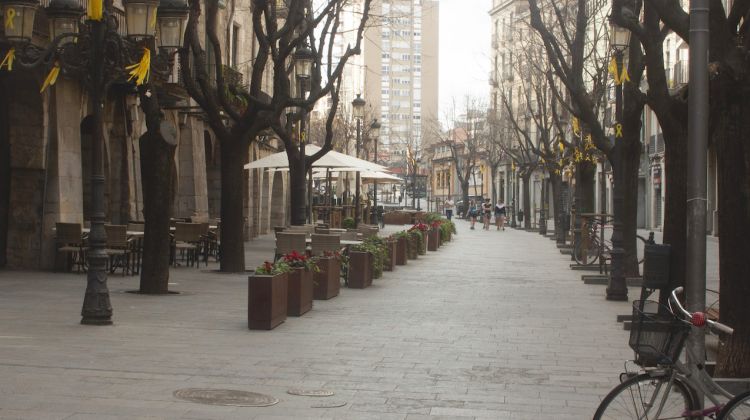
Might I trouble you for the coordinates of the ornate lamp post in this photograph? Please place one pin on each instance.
(303, 59)
(97, 55)
(617, 288)
(358, 108)
(375, 133)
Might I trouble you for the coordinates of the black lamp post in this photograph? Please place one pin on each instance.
(303, 58)
(358, 107)
(375, 133)
(513, 185)
(97, 55)
(617, 288)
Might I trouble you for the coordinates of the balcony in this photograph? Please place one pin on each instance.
(493, 78)
(681, 75)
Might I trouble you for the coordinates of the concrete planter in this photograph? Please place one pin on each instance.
(433, 240)
(300, 292)
(401, 251)
(360, 270)
(266, 301)
(390, 262)
(326, 283)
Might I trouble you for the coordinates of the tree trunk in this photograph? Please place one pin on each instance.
(465, 195)
(733, 152)
(493, 175)
(526, 200)
(631, 158)
(559, 216)
(157, 170)
(4, 176)
(584, 193)
(297, 187)
(232, 247)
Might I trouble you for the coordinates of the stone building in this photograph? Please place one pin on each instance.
(46, 158)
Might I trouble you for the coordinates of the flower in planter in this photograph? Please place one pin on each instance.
(271, 269)
(296, 260)
(422, 227)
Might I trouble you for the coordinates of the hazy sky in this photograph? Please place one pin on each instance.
(464, 51)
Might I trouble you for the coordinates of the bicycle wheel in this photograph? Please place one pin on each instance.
(591, 253)
(640, 397)
(738, 408)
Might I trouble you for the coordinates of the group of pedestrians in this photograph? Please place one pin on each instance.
(483, 209)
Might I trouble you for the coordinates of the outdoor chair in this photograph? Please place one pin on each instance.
(287, 242)
(118, 248)
(320, 244)
(136, 227)
(324, 231)
(351, 235)
(69, 240)
(187, 238)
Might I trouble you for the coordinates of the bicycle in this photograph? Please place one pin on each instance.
(666, 388)
(593, 246)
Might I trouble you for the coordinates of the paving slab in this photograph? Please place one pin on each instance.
(492, 325)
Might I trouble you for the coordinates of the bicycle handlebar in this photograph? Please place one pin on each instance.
(698, 319)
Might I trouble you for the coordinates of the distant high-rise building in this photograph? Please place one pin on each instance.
(401, 72)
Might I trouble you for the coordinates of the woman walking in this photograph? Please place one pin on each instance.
(472, 213)
(500, 215)
(487, 213)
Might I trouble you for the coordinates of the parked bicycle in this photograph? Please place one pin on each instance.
(666, 388)
(593, 247)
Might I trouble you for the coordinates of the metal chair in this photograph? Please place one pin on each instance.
(187, 238)
(118, 247)
(320, 244)
(69, 240)
(287, 242)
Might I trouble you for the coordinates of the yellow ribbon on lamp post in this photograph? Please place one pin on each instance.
(8, 59)
(10, 15)
(140, 70)
(618, 130)
(95, 10)
(51, 77)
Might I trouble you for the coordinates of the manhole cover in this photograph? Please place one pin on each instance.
(331, 404)
(310, 392)
(225, 397)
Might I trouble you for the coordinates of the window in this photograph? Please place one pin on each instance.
(235, 45)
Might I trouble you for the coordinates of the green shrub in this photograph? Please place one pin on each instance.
(347, 223)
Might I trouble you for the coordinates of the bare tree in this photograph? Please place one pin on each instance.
(237, 114)
(574, 39)
(729, 128)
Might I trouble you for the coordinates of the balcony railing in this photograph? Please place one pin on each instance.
(681, 75)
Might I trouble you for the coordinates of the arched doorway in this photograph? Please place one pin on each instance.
(22, 171)
(278, 200)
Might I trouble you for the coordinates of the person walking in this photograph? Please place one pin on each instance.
(472, 212)
(487, 213)
(500, 215)
(449, 207)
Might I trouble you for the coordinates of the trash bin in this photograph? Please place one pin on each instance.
(656, 266)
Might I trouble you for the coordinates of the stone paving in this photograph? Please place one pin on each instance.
(492, 326)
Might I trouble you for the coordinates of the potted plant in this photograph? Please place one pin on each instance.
(401, 247)
(359, 271)
(389, 263)
(267, 296)
(414, 243)
(326, 280)
(348, 223)
(300, 289)
(433, 237)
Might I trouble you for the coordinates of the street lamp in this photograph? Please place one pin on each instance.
(358, 108)
(86, 52)
(302, 59)
(375, 132)
(617, 288)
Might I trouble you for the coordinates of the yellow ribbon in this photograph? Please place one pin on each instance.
(576, 126)
(10, 14)
(140, 70)
(513, 166)
(618, 130)
(561, 145)
(153, 19)
(621, 77)
(8, 59)
(51, 77)
(95, 10)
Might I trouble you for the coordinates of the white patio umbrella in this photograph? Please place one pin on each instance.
(332, 159)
